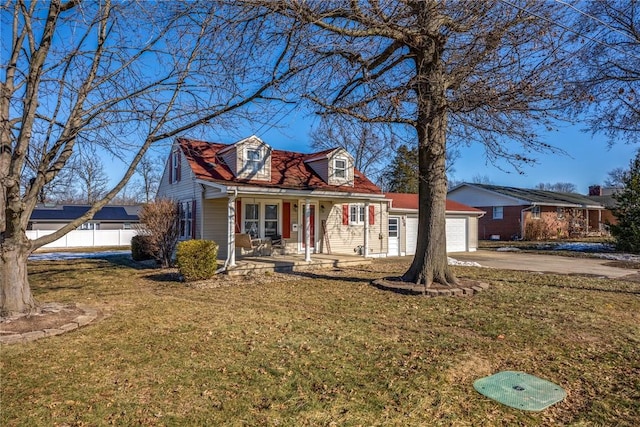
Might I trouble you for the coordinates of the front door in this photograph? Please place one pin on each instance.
(394, 236)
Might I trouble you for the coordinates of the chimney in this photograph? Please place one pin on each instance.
(595, 190)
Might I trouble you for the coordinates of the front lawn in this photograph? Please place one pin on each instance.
(321, 349)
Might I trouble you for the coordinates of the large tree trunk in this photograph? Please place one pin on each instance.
(15, 292)
(430, 263)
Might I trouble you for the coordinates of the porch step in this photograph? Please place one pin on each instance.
(285, 264)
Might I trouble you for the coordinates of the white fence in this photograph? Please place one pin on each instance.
(86, 238)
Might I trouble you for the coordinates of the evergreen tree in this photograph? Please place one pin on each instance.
(402, 176)
(627, 211)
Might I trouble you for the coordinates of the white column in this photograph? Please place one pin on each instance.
(599, 219)
(365, 252)
(307, 230)
(231, 231)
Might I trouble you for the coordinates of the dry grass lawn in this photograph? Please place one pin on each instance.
(321, 349)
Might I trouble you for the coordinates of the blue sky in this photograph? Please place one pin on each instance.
(587, 160)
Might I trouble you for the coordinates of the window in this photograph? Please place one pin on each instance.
(535, 212)
(497, 212)
(356, 215)
(261, 219)
(560, 212)
(90, 226)
(252, 219)
(393, 228)
(175, 167)
(270, 220)
(186, 216)
(254, 158)
(340, 168)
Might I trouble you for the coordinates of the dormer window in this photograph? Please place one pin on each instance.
(340, 168)
(254, 160)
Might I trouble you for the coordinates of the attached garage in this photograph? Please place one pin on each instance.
(462, 224)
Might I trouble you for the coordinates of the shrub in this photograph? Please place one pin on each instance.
(140, 248)
(159, 222)
(536, 230)
(197, 259)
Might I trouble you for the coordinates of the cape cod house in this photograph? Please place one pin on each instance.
(246, 192)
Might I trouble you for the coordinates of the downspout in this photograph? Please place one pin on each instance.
(202, 196)
(522, 219)
(231, 245)
(365, 252)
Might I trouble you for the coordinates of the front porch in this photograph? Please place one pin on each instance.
(293, 262)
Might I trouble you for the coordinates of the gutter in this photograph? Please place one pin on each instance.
(522, 219)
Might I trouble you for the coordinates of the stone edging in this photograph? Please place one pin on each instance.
(88, 316)
(413, 289)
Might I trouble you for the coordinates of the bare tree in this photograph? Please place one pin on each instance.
(615, 178)
(367, 143)
(481, 179)
(608, 86)
(118, 75)
(91, 178)
(149, 171)
(473, 71)
(560, 187)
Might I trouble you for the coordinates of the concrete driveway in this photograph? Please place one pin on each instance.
(544, 263)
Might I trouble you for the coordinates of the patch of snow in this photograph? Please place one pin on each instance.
(453, 261)
(508, 249)
(58, 256)
(618, 257)
(584, 247)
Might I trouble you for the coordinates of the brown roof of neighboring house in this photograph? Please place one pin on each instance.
(539, 197)
(410, 201)
(288, 169)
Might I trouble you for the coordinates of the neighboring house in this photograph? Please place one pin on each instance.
(315, 203)
(512, 211)
(54, 217)
(604, 196)
(461, 222)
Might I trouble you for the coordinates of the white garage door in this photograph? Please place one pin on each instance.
(412, 235)
(456, 234)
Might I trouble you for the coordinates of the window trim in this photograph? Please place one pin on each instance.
(360, 213)
(253, 165)
(536, 212)
(262, 220)
(495, 211)
(185, 219)
(343, 170)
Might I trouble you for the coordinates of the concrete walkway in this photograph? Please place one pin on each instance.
(544, 263)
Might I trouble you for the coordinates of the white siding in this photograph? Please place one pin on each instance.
(346, 238)
(185, 190)
(215, 224)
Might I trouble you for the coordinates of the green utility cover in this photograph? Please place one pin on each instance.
(520, 390)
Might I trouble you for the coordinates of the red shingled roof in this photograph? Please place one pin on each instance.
(288, 169)
(410, 201)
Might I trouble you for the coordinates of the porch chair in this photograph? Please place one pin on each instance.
(244, 241)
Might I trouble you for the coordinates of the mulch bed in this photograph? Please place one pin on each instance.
(465, 287)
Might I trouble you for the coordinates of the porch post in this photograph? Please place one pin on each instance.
(365, 252)
(587, 222)
(600, 220)
(231, 231)
(307, 230)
